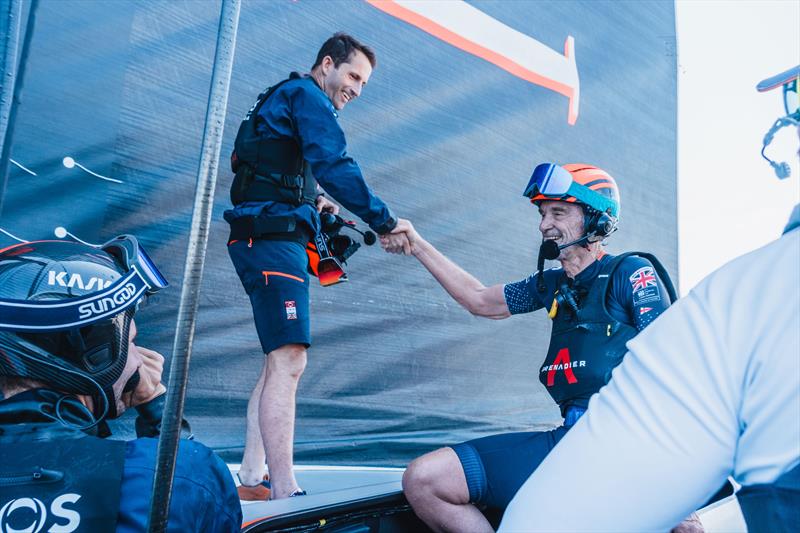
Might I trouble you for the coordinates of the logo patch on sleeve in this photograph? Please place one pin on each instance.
(291, 310)
(643, 278)
(645, 287)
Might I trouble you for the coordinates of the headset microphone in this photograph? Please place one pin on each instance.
(782, 170)
(573, 243)
(550, 250)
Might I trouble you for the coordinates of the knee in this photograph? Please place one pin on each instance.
(289, 360)
(421, 477)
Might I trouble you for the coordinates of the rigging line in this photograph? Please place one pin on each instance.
(69, 162)
(26, 169)
(12, 236)
(62, 232)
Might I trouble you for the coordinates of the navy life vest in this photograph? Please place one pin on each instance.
(269, 170)
(586, 344)
(54, 477)
(72, 483)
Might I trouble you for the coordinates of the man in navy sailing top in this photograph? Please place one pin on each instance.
(300, 109)
(289, 144)
(597, 303)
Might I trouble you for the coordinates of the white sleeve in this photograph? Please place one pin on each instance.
(711, 387)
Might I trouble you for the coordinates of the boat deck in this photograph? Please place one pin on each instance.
(350, 492)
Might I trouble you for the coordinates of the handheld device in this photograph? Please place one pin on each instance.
(330, 250)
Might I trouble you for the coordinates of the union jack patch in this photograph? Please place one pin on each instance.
(642, 278)
(291, 310)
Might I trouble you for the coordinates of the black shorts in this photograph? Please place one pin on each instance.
(498, 465)
(274, 274)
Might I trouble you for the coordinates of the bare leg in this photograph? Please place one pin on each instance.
(284, 367)
(254, 461)
(436, 488)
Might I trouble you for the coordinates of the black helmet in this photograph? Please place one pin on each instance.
(66, 309)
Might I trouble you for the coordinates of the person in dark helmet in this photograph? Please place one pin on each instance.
(68, 363)
(730, 408)
(597, 303)
(289, 143)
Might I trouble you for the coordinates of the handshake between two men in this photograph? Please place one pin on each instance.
(403, 239)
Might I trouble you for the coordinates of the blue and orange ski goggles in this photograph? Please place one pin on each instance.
(550, 181)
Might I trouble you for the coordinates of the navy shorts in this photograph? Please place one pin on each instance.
(274, 274)
(498, 465)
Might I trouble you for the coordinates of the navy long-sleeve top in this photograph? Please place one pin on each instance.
(300, 110)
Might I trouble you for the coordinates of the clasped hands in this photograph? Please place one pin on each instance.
(403, 239)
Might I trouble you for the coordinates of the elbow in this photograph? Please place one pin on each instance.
(478, 304)
(488, 310)
(476, 312)
(486, 313)
(478, 308)
(472, 305)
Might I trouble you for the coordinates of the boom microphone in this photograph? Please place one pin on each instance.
(549, 250)
(782, 170)
(573, 243)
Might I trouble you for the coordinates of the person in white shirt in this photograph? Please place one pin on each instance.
(711, 389)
